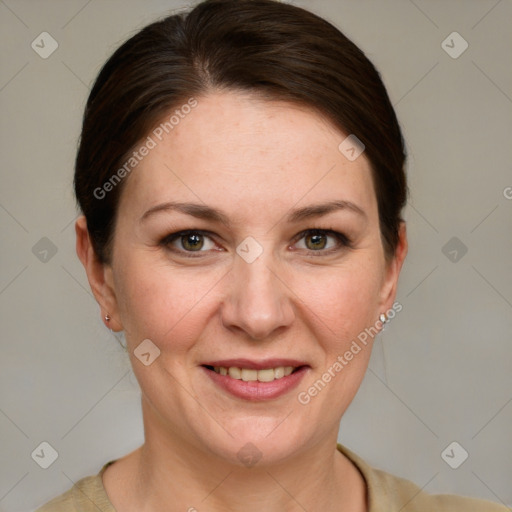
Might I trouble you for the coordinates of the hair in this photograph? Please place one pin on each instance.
(278, 51)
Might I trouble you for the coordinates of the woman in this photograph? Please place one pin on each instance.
(241, 178)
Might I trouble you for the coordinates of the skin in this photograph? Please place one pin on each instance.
(256, 161)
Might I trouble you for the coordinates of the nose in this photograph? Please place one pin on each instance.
(258, 302)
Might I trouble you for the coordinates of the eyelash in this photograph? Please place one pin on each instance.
(342, 239)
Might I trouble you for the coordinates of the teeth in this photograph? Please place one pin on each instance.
(265, 375)
(250, 375)
(279, 372)
(234, 372)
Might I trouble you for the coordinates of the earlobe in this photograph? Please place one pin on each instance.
(97, 273)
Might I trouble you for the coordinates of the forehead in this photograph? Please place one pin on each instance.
(234, 149)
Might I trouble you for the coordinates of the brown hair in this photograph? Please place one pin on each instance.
(263, 46)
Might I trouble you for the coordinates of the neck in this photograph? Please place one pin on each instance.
(167, 469)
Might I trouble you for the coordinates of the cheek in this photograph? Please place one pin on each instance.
(164, 304)
(342, 308)
(343, 299)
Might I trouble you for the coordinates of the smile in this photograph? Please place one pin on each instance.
(250, 375)
(255, 381)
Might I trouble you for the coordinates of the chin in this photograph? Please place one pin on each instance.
(256, 441)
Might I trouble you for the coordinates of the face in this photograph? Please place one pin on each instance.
(281, 265)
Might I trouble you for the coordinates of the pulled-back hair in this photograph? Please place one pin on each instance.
(273, 49)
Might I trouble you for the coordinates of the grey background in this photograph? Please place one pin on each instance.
(440, 372)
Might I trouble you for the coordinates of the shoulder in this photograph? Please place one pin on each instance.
(409, 497)
(87, 495)
(389, 492)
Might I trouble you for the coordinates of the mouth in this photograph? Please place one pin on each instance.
(253, 380)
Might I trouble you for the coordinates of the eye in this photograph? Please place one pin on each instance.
(188, 241)
(317, 240)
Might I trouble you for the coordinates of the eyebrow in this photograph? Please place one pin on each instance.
(318, 210)
(202, 211)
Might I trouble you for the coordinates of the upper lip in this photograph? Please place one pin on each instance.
(255, 365)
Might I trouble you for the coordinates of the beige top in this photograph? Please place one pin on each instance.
(386, 493)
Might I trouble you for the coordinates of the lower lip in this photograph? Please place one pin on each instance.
(256, 390)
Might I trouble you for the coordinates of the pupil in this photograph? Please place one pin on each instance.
(192, 242)
(317, 239)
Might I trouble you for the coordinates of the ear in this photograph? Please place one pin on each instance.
(392, 272)
(99, 275)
